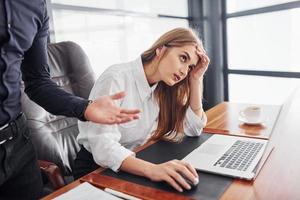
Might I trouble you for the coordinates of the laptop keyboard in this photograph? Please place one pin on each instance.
(240, 155)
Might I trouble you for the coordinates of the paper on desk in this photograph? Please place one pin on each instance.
(86, 191)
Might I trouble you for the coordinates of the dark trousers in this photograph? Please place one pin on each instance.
(20, 176)
(84, 163)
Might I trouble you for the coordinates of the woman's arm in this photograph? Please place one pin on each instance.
(103, 141)
(195, 118)
(196, 83)
(196, 87)
(171, 172)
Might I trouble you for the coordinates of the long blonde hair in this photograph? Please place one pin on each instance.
(173, 100)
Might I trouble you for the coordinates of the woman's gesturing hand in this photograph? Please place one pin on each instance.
(173, 172)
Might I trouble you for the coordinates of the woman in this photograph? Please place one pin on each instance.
(166, 84)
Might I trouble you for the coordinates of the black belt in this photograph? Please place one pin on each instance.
(11, 129)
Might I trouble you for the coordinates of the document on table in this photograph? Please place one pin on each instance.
(86, 191)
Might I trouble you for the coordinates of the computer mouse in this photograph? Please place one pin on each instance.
(193, 185)
(167, 186)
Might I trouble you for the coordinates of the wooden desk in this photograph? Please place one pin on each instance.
(280, 176)
(224, 119)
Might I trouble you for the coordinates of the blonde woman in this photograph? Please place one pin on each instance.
(165, 82)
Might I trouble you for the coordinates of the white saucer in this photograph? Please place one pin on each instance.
(260, 121)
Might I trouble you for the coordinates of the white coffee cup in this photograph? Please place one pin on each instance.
(251, 113)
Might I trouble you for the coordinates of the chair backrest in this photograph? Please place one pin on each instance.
(54, 137)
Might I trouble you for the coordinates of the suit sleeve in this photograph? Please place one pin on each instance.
(38, 84)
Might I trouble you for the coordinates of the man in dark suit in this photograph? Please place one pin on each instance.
(23, 51)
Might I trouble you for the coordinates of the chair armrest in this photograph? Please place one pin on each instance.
(53, 173)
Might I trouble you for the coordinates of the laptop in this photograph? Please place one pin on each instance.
(232, 156)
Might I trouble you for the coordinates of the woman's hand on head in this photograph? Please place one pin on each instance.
(172, 172)
(103, 110)
(199, 70)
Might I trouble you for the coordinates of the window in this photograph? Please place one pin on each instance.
(262, 56)
(238, 5)
(180, 8)
(256, 42)
(260, 89)
(116, 31)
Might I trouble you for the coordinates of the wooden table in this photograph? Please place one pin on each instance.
(224, 119)
(280, 176)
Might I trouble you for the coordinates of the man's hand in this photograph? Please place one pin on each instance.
(103, 110)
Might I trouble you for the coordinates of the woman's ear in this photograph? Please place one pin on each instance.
(161, 51)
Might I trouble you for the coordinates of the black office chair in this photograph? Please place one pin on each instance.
(54, 137)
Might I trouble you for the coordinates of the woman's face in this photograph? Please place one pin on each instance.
(176, 63)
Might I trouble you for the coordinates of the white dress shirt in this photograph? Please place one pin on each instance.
(111, 144)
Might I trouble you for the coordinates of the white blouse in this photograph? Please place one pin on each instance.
(111, 144)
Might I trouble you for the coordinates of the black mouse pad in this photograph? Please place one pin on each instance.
(210, 186)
